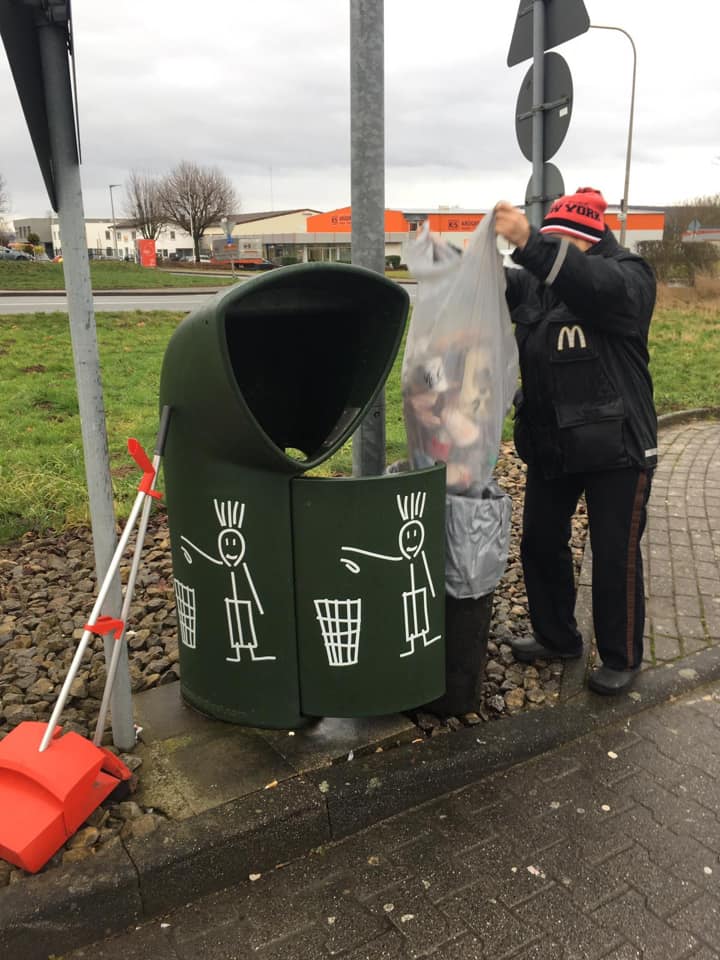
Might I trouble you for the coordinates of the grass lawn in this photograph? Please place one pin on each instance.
(105, 275)
(42, 482)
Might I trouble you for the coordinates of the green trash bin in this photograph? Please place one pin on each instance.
(296, 596)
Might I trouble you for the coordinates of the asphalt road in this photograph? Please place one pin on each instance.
(53, 302)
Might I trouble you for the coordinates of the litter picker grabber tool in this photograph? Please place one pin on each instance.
(51, 782)
(150, 471)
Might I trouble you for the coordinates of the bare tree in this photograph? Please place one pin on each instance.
(143, 206)
(195, 197)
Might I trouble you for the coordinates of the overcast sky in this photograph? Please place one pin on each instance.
(262, 90)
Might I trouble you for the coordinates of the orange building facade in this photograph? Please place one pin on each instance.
(398, 221)
(327, 236)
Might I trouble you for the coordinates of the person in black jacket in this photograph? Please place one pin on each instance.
(585, 422)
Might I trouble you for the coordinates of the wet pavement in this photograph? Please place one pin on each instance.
(605, 848)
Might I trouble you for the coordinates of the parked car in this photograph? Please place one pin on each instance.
(245, 263)
(7, 254)
(256, 263)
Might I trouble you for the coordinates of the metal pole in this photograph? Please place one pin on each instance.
(112, 210)
(535, 214)
(76, 268)
(367, 175)
(628, 152)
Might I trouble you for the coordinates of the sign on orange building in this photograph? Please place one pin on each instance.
(340, 221)
(454, 222)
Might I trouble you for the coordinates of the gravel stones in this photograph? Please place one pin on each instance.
(47, 591)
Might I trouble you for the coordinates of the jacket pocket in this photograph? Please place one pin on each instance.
(592, 435)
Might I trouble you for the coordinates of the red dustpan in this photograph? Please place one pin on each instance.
(51, 782)
(46, 796)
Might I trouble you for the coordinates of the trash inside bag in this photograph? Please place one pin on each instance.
(477, 541)
(460, 366)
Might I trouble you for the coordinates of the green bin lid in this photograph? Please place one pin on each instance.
(277, 372)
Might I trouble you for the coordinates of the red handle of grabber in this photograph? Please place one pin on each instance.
(105, 625)
(143, 461)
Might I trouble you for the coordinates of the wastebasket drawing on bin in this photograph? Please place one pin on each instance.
(266, 381)
(340, 624)
(187, 612)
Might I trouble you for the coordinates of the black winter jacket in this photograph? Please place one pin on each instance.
(581, 324)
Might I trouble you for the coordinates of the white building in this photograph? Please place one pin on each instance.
(104, 239)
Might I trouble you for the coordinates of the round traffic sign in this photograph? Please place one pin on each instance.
(558, 106)
(553, 187)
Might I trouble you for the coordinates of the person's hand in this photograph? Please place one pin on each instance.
(512, 224)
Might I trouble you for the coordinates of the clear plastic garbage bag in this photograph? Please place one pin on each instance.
(460, 366)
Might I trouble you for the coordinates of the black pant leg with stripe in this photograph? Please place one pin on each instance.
(546, 558)
(616, 502)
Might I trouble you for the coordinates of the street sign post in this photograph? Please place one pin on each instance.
(38, 41)
(540, 25)
(367, 188)
(564, 20)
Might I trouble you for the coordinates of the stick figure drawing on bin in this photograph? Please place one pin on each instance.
(231, 550)
(411, 539)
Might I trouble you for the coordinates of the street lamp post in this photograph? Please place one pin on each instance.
(628, 152)
(227, 230)
(112, 210)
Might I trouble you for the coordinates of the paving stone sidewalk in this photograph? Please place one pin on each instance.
(680, 549)
(605, 849)
(682, 544)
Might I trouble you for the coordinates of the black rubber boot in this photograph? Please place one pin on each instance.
(467, 625)
(611, 682)
(527, 649)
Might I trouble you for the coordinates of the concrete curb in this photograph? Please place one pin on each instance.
(685, 416)
(130, 882)
(380, 786)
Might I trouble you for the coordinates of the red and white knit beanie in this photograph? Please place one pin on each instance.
(580, 215)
